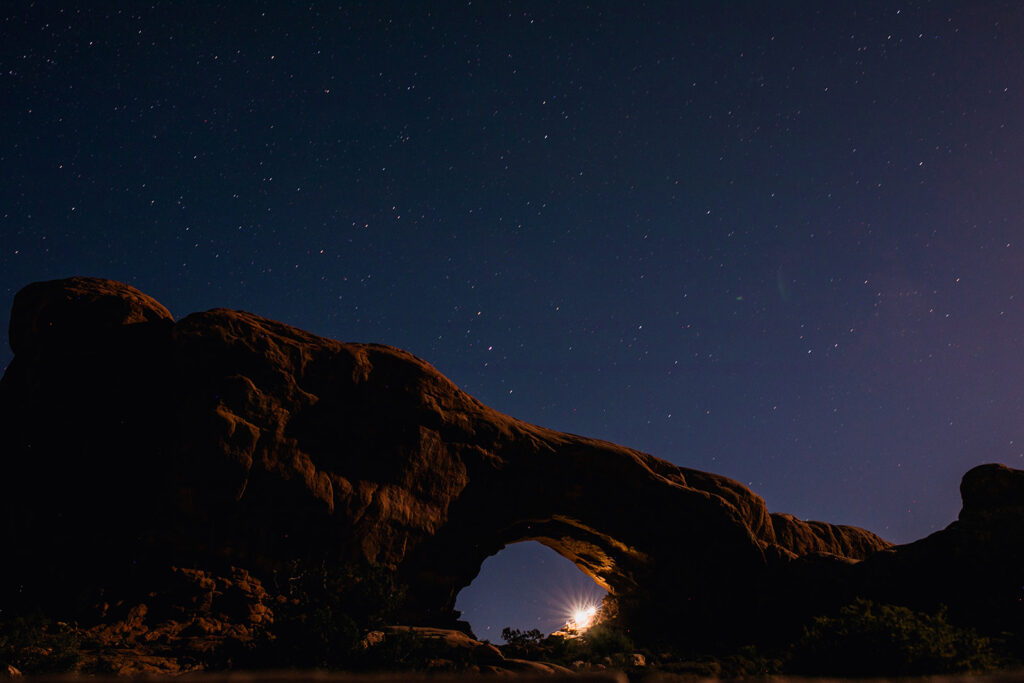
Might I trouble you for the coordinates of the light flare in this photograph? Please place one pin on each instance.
(583, 617)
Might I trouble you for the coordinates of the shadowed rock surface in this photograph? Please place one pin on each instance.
(132, 444)
(975, 566)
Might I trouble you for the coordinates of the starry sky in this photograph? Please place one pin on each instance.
(778, 241)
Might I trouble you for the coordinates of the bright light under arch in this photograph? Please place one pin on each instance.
(526, 586)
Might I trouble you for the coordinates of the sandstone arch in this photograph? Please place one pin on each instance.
(247, 441)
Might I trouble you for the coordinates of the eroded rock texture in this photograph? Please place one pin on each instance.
(132, 443)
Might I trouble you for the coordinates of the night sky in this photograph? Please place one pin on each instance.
(779, 241)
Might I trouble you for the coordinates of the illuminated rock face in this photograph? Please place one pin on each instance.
(229, 438)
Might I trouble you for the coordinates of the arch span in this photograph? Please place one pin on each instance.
(636, 525)
(275, 446)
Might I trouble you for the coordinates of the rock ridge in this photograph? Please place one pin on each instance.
(230, 440)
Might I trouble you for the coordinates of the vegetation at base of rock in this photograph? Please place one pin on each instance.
(599, 643)
(608, 646)
(602, 640)
(862, 639)
(869, 639)
(320, 623)
(36, 645)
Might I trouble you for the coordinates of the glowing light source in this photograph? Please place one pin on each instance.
(582, 612)
(583, 617)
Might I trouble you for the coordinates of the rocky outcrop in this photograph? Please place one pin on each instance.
(189, 616)
(226, 439)
(77, 313)
(975, 566)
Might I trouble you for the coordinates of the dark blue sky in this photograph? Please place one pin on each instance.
(778, 241)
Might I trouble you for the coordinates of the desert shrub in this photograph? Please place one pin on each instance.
(599, 643)
(523, 644)
(36, 645)
(604, 640)
(514, 636)
(327, 610)
(868, 639)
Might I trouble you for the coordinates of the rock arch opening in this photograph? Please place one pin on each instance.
(525, 586)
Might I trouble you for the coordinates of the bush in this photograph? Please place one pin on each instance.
(604, 640)
(598, 643)
(514, 636)
(866, 639)
(523, 644)
(321, 624)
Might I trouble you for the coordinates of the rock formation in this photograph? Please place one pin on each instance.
(133, 443)
(975, 566)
